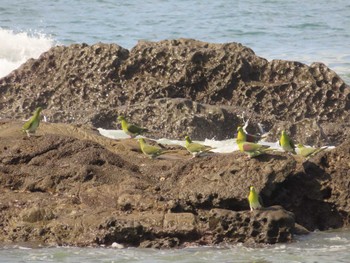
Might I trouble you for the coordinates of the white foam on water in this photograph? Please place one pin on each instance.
(113, 134)
(17, 48)
(224, 146)
(24, 248)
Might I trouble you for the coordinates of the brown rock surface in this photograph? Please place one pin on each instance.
(318, 194)
(69, 186)
(84, 84)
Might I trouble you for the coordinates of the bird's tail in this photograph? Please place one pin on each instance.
(168, 151)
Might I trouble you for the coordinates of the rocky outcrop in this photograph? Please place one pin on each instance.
(70, 186)
(208, 87)
(318, 194)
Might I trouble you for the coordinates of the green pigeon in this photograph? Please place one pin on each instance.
(242, 136)
(33, 123)
(150, 150)
(131, 129)
(252, 149)
(308, 151)
(287, 143)
(196, 148)
(254, 199)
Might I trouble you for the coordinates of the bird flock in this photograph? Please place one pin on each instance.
(247, 143)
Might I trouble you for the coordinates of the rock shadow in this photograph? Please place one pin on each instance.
(306, 194)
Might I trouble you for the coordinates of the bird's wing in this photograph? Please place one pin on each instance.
(29, 123)
(251, 147)
(134, 129)
(197, 147)
(150, 149)
(252, 138)
(304, 151)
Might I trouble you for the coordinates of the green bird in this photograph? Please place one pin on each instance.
(252, 149)
(308, 151)
(254, 199)
(246, 137)
(287, 143)
(196, 148)
(150, 150)
(33, 123)
(131, 129)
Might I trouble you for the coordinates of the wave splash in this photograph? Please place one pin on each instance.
(17, 47)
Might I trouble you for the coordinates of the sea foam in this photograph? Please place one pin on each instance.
(223, 146)
(17, 47)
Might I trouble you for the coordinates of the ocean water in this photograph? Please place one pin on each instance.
(326, 247)
(305, 31)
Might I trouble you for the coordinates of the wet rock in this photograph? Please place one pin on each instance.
(170, 242)
(121, 231)
(300, 230)
(270, 225)
(317, 193)
(332, 169)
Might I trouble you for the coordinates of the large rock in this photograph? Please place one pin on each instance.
(318, 192)
(70, 186)
(84, 84)
(272, 225)
(217, 184)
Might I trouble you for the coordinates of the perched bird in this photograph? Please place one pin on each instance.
(150, 150)
(308, 151)
(33, 123)
(196, 148)
(246, 137)
(241, 135)
(254, 199)
(287, 143)
(252, 149)
(131, 129)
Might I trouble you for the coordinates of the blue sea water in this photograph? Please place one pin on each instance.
(306, 31)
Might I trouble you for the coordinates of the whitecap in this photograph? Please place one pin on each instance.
(17, 47)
